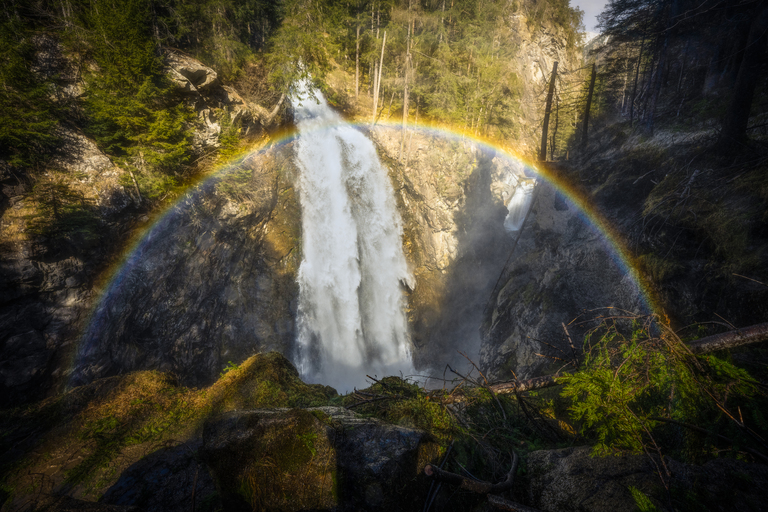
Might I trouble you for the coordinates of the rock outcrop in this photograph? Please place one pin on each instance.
(212, 282)
(215, 103)
(45, 283)
(452, 197)
(315, 459)
(561, 268)
(570, 480)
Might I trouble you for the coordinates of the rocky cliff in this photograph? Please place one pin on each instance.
(53, 270)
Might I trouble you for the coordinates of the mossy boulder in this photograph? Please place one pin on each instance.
(326, 458)
(271, 459)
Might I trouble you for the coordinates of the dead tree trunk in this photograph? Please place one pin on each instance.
(378, 79)
(547, 109)
(730, 339)
(585, 126)
(357, 60)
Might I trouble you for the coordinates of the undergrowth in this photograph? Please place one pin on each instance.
(640, 389)
(143, 410)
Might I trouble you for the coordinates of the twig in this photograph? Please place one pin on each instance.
(503, 504)
(487, 386)
(570, 342)
(478, 486)
(755, 280)
(705, 431)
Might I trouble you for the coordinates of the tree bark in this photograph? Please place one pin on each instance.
(734, 127)
(378, 79)
(730, 339)
(547, 109)
(585, 126)
(553, 143)
(637, 76)
(405, 89)
(357, 61)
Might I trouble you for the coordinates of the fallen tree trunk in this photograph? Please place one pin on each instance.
(730, 339)
(726, 340)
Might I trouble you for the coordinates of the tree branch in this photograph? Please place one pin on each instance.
(477, 486)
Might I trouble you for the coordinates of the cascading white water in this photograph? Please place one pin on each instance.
(519, 204)
(351, 316)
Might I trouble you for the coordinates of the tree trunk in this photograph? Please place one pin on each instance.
(405, 89)
(734, 127)
(378, 78)
(357, 61)
(637, 76)
(553, 146)
(670, 16)
(585, 126)
(547, 109)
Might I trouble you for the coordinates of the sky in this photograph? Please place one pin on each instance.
(591, 9)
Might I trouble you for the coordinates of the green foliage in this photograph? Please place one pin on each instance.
(230, 366)
(644, 504)
(62, 212)
(306, 42)
(28, 115)
(131, 108)
(631, 379)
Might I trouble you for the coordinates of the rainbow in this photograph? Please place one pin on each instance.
(613, 241)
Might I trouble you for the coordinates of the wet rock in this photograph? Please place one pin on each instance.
(561, 267)
(212, 282)
(451, 197)
(571, 479)
(321, 459)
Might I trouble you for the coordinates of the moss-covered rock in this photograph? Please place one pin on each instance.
(324, 458)
(86, 440)
(272, 459)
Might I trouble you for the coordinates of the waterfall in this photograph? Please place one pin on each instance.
(519, 204)
(351, 319)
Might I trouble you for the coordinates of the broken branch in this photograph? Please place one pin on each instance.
(468, 484)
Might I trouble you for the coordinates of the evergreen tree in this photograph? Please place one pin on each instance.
(28, 116)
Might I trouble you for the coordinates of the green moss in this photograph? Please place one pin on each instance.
(292, 466)
(144, 408)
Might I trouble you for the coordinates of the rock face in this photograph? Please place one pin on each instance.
(452, 197)
(571, 480)
(318, 459)
(214, 103)
(562, 266)
(212, 282)
(45, 283)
